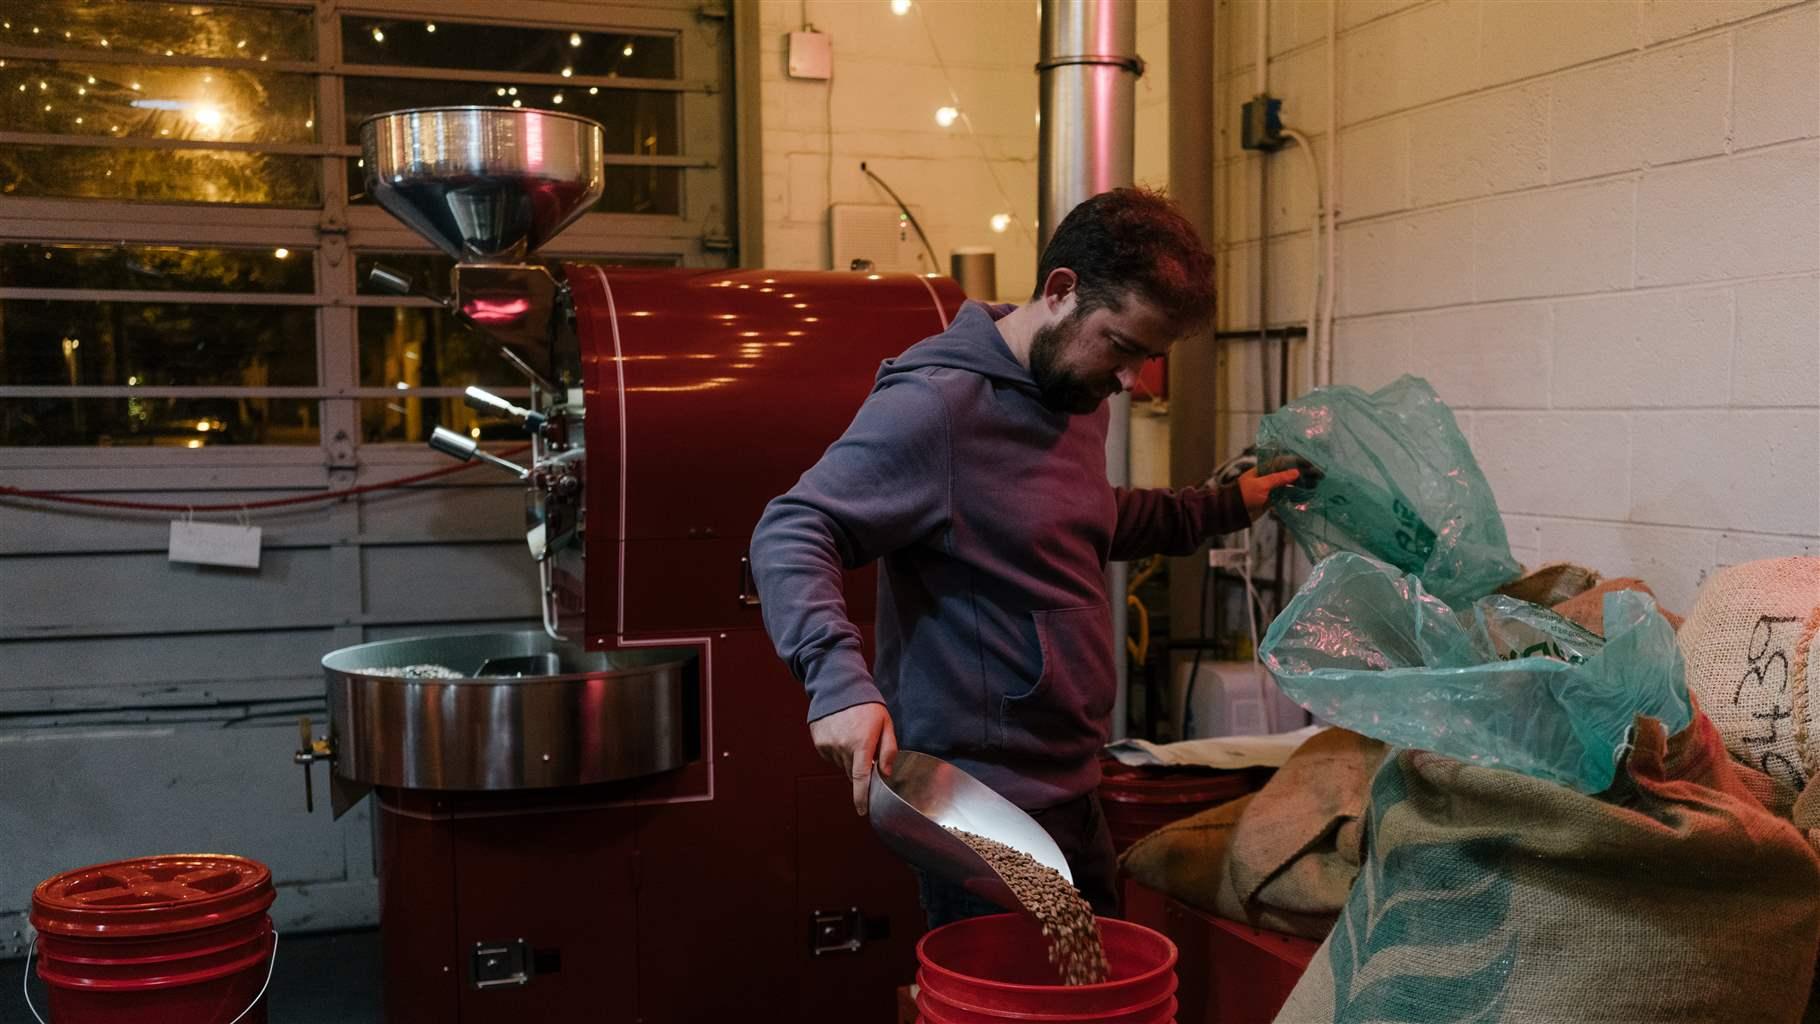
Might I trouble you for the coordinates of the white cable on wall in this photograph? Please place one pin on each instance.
(1316, 280)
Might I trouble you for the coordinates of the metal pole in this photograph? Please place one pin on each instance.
(1087, 74)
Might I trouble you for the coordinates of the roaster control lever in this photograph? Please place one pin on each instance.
(309, 751)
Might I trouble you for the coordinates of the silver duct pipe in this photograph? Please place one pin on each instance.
(1087, 72)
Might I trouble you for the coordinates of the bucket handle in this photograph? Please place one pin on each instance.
(25, 983)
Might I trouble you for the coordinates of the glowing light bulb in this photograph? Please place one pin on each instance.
(429, 26)
(1001, 221)
(946, 116)
(568, 72)
(282, 253)
(378, 36)
(900, 7)
(575, 39)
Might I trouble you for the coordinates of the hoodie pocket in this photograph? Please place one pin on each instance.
(1066, 711)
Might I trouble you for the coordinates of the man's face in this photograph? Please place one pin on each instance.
(1080, 360)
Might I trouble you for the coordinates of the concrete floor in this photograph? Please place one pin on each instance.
(330, 978)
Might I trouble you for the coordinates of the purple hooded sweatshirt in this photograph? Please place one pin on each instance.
(992, 520)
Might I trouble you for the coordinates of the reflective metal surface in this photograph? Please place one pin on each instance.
(578, 718)
(913, 809)
(484, 183)
(1087, 72)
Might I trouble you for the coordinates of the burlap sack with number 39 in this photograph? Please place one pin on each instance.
(1748, 644)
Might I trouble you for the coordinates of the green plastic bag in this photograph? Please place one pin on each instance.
(1397, 482)
(1504, 683)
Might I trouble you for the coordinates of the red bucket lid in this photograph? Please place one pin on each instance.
(149, 896)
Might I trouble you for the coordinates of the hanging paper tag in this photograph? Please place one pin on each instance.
(215, 544)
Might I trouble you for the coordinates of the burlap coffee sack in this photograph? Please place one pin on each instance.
(1187, 858)
(1551, 584)
(1587, 609)
(1296, 851)
(1490, 896)
(1748, 645)
(1283, 858)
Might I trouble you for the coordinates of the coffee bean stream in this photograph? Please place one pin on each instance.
(1067, 919)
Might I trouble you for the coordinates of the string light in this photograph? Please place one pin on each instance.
(946, 116)
(627, 52)
(575, 39)
(900, 7)
(429, 26)
(378, 36)
(568, 72)
(1001, 221)
(282, 253)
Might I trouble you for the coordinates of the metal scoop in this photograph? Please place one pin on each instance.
(912, 810)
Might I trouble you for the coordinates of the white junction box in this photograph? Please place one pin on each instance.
(811, 56)
(877, 233)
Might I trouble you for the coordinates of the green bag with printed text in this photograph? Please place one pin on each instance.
(1397, 481)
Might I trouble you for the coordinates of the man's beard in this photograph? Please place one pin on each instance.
(1061, 388)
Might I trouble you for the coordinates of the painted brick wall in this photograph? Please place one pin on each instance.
(1593, 225)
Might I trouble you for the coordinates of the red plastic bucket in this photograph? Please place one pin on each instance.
(997, 968)
(180, 939)
(1139, 800)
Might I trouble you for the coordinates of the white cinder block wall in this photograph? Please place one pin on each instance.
(1593, 225)
(891, 73)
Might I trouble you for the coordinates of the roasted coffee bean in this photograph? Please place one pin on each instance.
(1066, 918)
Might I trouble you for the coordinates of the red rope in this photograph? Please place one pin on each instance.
(303, 499)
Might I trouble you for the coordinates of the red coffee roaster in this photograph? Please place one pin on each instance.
(620, 817)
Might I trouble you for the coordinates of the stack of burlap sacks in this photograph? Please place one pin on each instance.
(1688, 891)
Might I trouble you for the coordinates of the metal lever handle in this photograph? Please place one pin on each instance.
(466, 449)
(309, 751)
(481, 399)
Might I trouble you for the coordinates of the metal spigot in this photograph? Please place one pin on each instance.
(309, 751)
(467, 449)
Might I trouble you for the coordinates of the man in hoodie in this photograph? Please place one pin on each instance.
(975, 474)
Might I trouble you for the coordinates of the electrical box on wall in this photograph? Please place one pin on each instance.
(811, 55)
(875, 234)
(1261, 124)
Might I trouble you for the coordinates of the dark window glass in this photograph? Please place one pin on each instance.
(203, 104)
(149, 175)
(164, 268)
(411, 420)
(150, 344)
(433, 43)
(167, 422)
(223, 30)
(418, 346)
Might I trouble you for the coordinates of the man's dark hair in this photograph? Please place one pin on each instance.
(1133, 240)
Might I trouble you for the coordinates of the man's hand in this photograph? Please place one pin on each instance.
(1256, 489)
(852, 738)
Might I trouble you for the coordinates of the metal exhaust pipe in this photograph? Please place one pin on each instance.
(1087, 72)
